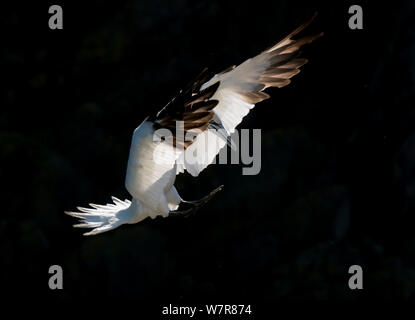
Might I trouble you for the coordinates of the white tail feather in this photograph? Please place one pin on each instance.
(103, 218)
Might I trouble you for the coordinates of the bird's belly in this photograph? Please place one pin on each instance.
(151, 168)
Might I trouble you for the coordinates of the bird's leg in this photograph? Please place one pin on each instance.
(182, 213)
(196, 204)
(205, 198)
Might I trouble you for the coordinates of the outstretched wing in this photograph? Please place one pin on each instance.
(239, 90)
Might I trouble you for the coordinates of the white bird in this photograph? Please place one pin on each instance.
(206, 105)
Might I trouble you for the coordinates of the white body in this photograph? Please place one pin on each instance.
(148, 181)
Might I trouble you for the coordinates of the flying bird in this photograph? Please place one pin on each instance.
(208, 109)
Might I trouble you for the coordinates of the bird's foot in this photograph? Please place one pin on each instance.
(195, 205)
(205, 198)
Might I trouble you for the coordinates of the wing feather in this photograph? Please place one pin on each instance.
(240, 88)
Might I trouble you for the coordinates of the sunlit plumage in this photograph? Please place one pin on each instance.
(208, 103)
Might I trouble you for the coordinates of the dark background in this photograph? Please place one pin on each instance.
(337, 183)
